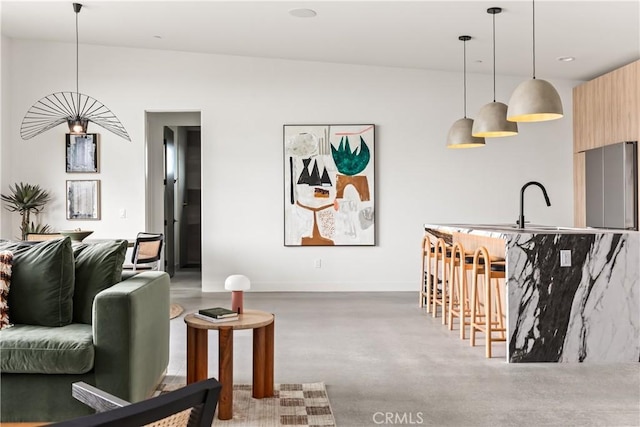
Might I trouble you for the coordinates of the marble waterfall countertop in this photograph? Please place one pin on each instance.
(589, 311)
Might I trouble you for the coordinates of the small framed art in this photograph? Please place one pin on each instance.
(83, 199)
(82, 153)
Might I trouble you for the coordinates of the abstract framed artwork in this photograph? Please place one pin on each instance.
(82, 153)
(83, 199)
(329, 185)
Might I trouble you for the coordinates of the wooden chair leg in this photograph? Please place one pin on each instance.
(455, 280)
(488, 316)
(444, 293)
(474, 306)
(429, 279)
(422, 284)
(453, 283)
(465, 306)
(434, 283)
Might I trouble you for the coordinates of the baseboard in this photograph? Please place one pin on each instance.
(320, 287)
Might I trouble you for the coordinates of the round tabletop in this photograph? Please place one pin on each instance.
(249, 319)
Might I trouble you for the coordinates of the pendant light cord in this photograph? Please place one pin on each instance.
(533, 2)
(77, 65)
(494, 57)
(464, 79)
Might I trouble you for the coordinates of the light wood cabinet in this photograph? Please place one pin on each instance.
(606, 110)
(621, 104)
(588, 120)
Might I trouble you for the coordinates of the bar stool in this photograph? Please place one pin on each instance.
(487, 315)
(459, 301)
(442, 254)
(426, 273)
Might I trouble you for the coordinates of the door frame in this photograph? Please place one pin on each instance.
(155, 120)
(170, 179)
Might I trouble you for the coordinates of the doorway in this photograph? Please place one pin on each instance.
(173, 187)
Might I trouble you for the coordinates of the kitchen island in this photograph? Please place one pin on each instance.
(586, 312)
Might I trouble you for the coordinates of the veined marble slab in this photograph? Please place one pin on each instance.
(589, 312)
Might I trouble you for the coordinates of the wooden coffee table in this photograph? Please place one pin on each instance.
(262, 324)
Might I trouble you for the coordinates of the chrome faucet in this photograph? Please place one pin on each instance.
(524, 187)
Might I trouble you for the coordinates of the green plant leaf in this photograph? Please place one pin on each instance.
(26, 199)
(38, 228)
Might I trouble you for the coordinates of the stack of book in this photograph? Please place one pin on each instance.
(217, 315)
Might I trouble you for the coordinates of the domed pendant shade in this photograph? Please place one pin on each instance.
(491, 121)
(460, 133)
(73, 108)
(534, 100)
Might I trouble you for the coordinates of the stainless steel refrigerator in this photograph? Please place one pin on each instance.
(611, 174)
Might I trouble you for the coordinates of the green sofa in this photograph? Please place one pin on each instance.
(76, 318)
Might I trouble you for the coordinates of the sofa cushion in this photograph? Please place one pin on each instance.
(42, 282)
(98, 267)
(31, 349)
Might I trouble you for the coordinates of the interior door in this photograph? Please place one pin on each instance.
(169, 208)
(193, 209)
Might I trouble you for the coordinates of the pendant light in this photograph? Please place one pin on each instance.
(534, 100)
(460, 132)
(74, 108)
(492, 117)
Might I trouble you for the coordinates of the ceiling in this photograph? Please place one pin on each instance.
(601, 35)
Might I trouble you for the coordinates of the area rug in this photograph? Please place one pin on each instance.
(292, 405)
(175, 310)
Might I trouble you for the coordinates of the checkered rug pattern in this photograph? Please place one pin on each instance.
(300, 405)
(304, 405)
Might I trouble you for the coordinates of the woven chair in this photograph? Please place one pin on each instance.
(192, 406)
(146, 252)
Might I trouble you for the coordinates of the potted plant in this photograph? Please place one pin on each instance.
(27, 199)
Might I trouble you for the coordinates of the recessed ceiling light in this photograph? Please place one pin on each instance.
(565, 58)
(303, 13)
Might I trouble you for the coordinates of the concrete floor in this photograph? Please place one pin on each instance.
(385, 362)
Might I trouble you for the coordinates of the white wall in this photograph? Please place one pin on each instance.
(244, 102)
(5, 126)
